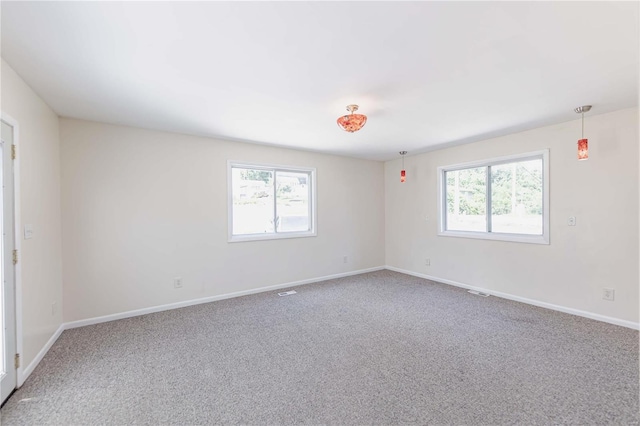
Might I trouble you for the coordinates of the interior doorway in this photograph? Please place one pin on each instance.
(8, 362)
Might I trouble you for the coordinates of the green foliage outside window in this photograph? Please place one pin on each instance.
(527, 185)
(263, 175)
(471, 191)
(524, 193)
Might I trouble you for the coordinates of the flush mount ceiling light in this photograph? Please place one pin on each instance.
(583, 144)
(352, 122)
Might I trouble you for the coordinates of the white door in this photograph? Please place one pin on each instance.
(8, 380)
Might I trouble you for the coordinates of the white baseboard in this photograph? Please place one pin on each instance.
(144, 311)
(586, 314)
(26, 372)
(23, 374)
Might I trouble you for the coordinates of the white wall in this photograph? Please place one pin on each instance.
(141, 207)
(602, 192)
(41, 256)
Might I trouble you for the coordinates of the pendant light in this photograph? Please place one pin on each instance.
(583, 144)
(403, 172)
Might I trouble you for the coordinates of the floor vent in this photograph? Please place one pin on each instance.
(478, 293)
(287, 293)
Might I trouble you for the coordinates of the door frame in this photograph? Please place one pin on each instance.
(17, 242)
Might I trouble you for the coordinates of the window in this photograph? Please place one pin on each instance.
(501, 199)
(269, 202)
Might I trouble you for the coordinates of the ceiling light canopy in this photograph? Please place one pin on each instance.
(352, 122)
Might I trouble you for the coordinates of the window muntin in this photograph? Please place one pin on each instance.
(504, 199)
(270, 202)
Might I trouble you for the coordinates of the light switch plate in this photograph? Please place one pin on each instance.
(572, 221)
(28, 232)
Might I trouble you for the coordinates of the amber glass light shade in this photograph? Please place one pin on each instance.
(583, 149)
(352, 122)
(403, 176)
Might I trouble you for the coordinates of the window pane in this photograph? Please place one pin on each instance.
(292, 201)
(516, 197)
(252, 201)
(467, 199)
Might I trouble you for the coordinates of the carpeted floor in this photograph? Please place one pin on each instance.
(378, 348)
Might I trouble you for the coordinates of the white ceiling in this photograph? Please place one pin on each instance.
(426, 74)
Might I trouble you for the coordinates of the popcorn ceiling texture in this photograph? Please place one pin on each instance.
(377, 348)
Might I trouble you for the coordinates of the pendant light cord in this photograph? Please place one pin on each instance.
(582, 125)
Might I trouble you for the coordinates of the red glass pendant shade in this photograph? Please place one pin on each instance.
(583, 143)
(352, 122)
(583, 149)
(403, 172)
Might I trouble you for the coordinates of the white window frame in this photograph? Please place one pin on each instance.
(275, 235)
(520, 238)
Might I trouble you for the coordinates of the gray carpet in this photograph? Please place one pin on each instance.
(378, 348)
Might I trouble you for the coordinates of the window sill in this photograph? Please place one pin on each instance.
(515, 238)
(263, 237)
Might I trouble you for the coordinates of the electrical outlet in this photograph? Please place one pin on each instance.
(608, 294)
(427, 262)
(177, 282)
(345, 259)
(571, 221)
